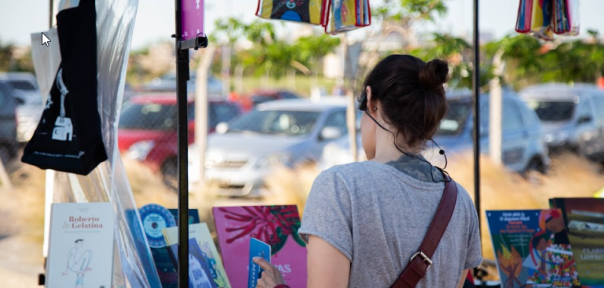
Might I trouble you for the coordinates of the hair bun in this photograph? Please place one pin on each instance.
(434, 74)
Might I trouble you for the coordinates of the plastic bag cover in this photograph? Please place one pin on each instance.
(133, 264)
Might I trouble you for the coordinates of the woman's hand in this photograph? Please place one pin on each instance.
(271, 276)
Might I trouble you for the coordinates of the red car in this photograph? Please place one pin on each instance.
(264, 95)
(147, 129)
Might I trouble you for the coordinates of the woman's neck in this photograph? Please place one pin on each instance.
(386, 151)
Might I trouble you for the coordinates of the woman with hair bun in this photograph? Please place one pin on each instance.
(364, 221)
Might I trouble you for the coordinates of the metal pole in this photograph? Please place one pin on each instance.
(51, 13)
(182, 75)
(476, 95)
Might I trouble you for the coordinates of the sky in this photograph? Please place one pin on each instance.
(155, 18)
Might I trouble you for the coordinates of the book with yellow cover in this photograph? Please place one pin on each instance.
(201, 234)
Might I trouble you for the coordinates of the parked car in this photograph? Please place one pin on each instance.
(264, 95)
(523, 148)
(8, 123)
(29, 102)
(147, 129)
(572, 117)
(277, 133)
(167, 83)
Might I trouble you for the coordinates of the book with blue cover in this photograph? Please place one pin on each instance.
(532, 249)
(257, 249)
(199, 272)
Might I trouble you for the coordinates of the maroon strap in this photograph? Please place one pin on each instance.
(421, 261)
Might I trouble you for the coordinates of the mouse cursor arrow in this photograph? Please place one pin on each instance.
(45, 40)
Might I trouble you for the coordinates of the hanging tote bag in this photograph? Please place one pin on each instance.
(68, 137)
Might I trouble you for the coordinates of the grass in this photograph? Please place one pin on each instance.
(22, 208)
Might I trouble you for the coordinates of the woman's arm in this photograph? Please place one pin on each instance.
(464, 275)
(327, 266)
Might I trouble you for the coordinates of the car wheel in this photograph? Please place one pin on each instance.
(169, 173)
(534, 171)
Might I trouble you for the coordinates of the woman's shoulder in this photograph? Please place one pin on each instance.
(352, 169)
(464, 198)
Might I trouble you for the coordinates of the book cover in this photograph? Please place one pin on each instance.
(155, 218)
(531, 248)
(81, 245)
(584, 219)
(193, 215)
(257, 249)
(276, 225)
(201, 234)
(199, 272)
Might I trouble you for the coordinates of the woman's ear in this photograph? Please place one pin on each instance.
(370, 105)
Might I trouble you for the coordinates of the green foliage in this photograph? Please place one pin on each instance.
(270, 54)
(9, 61)
(530, 61)
(456, 51)
(409, 11)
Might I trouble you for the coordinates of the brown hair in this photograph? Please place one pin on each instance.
(412, 95)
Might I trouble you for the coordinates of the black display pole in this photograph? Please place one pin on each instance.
(476, 96)
(476, 138)
(182, 76)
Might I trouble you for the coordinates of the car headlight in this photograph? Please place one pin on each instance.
(556, 138)
(140, 150)
(273, 160)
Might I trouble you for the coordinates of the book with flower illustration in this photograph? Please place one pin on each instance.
(276, 225)
(584, 219)
(532, 249)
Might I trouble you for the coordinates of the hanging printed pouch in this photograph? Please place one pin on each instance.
(541, 25)
(525, 13)
(305, 11)
(566, 17)
(346, 15)
(68, 137)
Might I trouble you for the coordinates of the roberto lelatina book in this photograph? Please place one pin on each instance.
(80, 254)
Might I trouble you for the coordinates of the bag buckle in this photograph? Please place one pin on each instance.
(425, 258)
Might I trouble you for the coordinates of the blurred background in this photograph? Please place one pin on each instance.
(279, 109)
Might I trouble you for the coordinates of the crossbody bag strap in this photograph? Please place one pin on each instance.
(421, 261)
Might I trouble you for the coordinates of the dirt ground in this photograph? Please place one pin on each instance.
(22, 207)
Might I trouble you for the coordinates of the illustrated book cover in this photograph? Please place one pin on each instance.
(81, 246)
(199, 272)
(531, 249)
(201, 234)
(275, 225)
(584, 220)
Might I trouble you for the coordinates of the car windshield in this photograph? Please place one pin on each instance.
(221, 112)
(22, 85)
(552, 111)
(148, 116)
(294, 123)
(454, 120)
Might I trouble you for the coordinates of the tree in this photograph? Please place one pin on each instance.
(456, 51)
(270, 54)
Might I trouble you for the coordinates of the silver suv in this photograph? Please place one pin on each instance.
(282, 132)
(572, 117)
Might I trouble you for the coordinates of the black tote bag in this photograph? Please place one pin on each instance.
(69, 137)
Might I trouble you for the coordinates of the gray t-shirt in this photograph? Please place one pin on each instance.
(377, 215)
